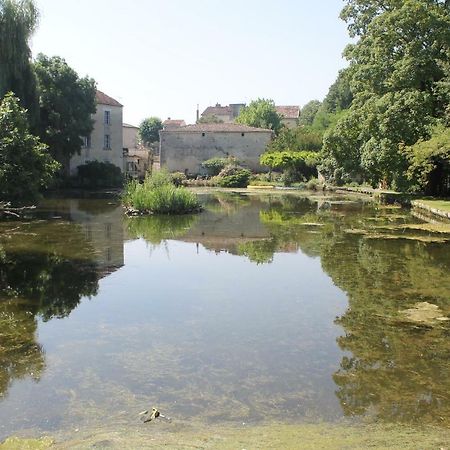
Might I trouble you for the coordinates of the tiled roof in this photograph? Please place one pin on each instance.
(289, 112)
(218, 127)
(127, 125)
(103, 99)
(175, 122)
(217, 111)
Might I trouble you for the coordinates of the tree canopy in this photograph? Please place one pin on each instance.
(18, 21)
(67, 103)
(149, 130)
(25, 164)
(398, 77)
(261, 113)
(308, 112)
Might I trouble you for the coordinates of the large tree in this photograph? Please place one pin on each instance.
(25, 164)
(149, 130)
(261, 113)
(398, 72)
(67, 103)
(308, 112)
(18, 21)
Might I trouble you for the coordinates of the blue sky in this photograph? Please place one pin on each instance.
(162, 57)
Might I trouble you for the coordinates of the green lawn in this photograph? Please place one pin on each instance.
(443, 205)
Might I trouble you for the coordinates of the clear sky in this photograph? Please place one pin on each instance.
(162, 57)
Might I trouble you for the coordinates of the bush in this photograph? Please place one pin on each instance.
(233, 176)
(313, 184)
(96, 174)
(215, 165)
(178, 178)
(158, 195)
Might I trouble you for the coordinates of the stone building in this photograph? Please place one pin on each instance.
(105, 144)
(289, 114)
(169, 123)
(137, 158)
(184, 149)
(227, 114)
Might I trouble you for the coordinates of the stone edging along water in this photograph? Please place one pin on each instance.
(435, 211)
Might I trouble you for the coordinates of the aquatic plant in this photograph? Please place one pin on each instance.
(158, 195)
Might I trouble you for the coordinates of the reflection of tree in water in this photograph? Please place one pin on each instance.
(397, 371)
(155, 229)
(20, 355)
(38, 277)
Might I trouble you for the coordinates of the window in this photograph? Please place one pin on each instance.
(107, 117)
(86, 141)
(242, 134)
(107, 142)
(203, 134)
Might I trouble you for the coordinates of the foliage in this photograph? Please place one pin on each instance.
(399, 78)
(178, 178)
(260, 251)
(149, 130)
(296, 165)
(296, 139)
(215, 165)
(308, 112)
(429, 163)
(261, 113)
(97, 174)
(67, 103)
(158, 195)
(233, 176)
(339, 95)
(18, 21)
(25, 165)
(209, 119)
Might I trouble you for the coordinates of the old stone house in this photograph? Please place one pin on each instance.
(226, 114)
(184, 149)
(105, 143)
(137, 158)
(173, 123)
(290, 115)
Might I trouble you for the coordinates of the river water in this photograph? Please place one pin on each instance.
(264, 306)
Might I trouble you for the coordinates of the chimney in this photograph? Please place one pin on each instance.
(198, 112)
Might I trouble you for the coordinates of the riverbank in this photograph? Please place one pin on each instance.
(160, 435)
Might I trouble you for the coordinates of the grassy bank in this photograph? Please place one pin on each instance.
(274, 436)
(443, 205)
(158, 195)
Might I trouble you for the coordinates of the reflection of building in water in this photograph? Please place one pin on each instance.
(103, 228)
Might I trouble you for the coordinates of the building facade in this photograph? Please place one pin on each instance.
(105, 144)
(227, 114)
(290, 115)
(184, 149)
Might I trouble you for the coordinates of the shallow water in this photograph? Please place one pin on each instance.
(263, 307)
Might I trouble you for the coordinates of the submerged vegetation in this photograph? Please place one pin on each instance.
(159, 195)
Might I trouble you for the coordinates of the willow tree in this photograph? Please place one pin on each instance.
(18, 21)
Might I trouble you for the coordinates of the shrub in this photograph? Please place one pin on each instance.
(96, 174)
(313, 184)
(158, 195)
(233, 176)
(215, 165)
(178, 178)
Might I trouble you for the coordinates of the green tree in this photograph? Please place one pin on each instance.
(25, 164)
(339, 95)
(149, 130)
(308, 112)
(18, 21)
(67, 103)
(261, 113)
(398, 69)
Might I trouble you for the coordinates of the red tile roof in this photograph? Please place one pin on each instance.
(218, 128)
(289, 112)
(217, 111)
(103, 99)
(174, 122)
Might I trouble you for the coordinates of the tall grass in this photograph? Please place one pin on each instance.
(158, 195)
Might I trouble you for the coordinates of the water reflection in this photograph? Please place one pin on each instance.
(46, 268)
(276, 303)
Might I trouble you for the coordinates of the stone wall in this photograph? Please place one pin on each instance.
(184, 151)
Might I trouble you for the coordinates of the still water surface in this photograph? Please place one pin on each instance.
(262, 307)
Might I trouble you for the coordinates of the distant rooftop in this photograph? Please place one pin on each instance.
(174, 123)
(218, 127)
(289, 112)
(103, 99)
(217, 110)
